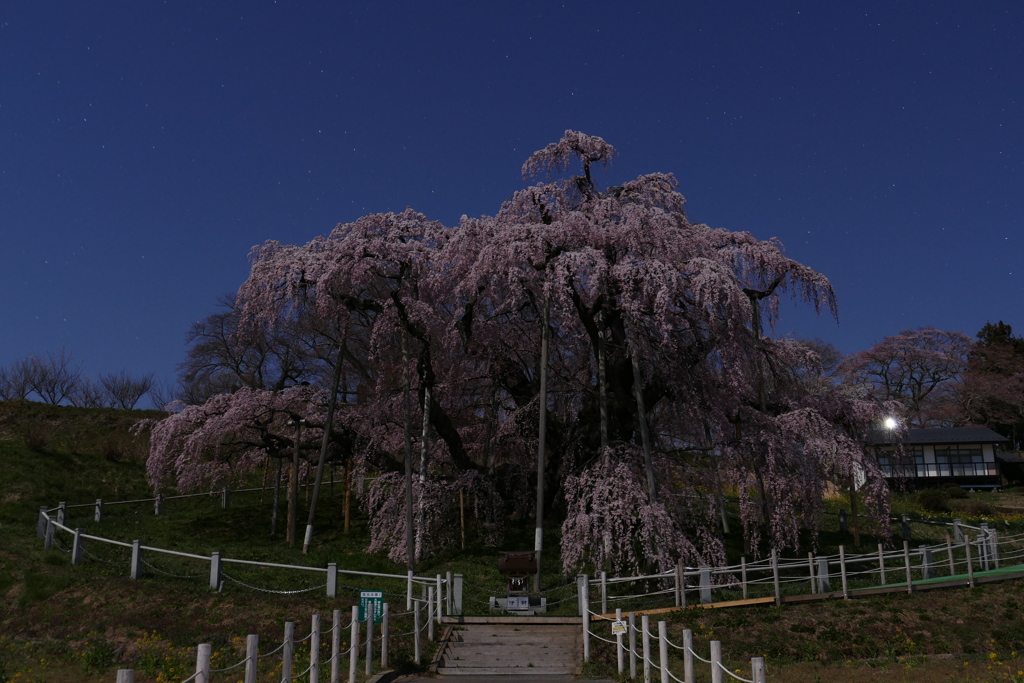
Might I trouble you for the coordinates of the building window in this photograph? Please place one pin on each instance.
(962, 460)
(908, 466)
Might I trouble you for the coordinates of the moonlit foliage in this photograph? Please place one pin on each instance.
(677, 310)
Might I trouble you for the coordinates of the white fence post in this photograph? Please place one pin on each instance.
(775, 576)
(757, 669)
(663, 650)
(125, 676)
(332, 579)
(215, 571)
(203, 663)
(958, 532)
(926, 562)
(906, 563)
(632, 645)
(842, 570)
(48, 541)
(41, 523)
(416, 631)
(136, 567)
(76, 548)
(993, 538)
(252, 651)
(408, 591)
(457, 597)
(97, 514)
(314, 649)
(716, 661)
(824, 585)
(604, 592)
(62, 509)
(585, 611)
(438, 597)
(430, 613)
(970, 563)
(353, 650)
(225, 498)
(881, 565)
(810, 572)
(384, 637)
(705, 584)
(336, 646)
(288, 651)
(582, 591)
(949, 555)
(369, 641)
(620, 656)
(679, 584)
(687, 656)
(743, 576)
(448, 593)
(645, 635)
(158, 504)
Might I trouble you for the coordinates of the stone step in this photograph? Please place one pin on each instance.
(511, 649)
(507, 671)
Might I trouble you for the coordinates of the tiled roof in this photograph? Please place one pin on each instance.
(939, 435)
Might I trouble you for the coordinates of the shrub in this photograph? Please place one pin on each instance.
(976, 508)
(935, 500)
(956, 493)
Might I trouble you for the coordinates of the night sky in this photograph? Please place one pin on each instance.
(145, 147)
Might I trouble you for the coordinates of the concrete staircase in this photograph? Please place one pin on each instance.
(499, 649)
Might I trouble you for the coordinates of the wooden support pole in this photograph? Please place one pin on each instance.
(203, 663)
(632, 644)
(663, 651)
(620, 654)
(645, 637)
(336, 646)
(288, 650)
(687, 655)
(353, 649)
(252, 648)
(906, 564)
(716, 661)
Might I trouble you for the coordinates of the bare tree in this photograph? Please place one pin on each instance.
(88, 394)
(16, 381)
(54, 378)
(122, 390)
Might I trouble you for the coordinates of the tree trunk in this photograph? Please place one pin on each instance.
(277, 497)
(542, 428)
(424, 449)
(293, 485)
(411, 557)
(645, 436)
(602, 386)
(331, 402)
(347, 473)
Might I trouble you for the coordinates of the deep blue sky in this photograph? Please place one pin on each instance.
(146, 146)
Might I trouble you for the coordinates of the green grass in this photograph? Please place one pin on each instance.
(70, 623)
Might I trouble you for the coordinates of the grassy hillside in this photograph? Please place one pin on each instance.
(61, 623)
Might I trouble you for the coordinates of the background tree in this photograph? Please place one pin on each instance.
(54, 378)
(124, 391)
(919, 368)
(992, 392)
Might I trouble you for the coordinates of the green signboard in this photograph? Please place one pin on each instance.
(371, 602)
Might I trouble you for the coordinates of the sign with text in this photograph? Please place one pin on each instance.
(517, 602)
(372, 603)
(619, 627)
